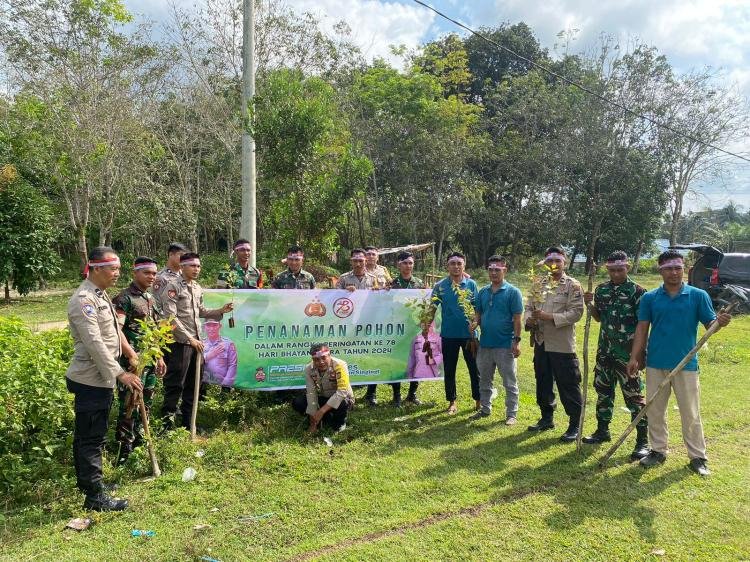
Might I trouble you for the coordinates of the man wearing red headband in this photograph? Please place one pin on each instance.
(183, 301)
(555, 358)
(615, 305)
(248, 277)
(132, 304)
(327, 383)
(94, 370)
(672, 312)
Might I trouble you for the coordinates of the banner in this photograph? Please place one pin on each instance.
(375, 332)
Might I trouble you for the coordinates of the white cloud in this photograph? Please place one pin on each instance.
(375, 25)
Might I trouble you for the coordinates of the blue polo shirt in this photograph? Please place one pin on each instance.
(497, 310)
(454, 322)
(674, 324)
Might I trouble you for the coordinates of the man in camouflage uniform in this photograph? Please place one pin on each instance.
(247, 277)
(294, 277)
(615, 306)
(132, 304)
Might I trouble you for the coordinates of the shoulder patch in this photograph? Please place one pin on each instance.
(172, 294)
(88, 309)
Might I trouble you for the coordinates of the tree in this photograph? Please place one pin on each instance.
(90, 85)
(26, 234)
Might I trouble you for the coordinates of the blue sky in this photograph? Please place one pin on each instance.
(691, 33)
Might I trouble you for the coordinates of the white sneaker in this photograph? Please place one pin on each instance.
(342, 428)
(494, 393)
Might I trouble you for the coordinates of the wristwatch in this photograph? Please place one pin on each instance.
(516, 339)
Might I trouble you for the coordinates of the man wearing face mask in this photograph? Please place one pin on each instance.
(94, 371)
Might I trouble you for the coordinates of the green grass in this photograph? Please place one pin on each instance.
(418, 484)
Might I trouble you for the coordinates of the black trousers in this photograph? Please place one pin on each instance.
(91, 406)
(561, 368)
(335, 418)
(371, 388)
(451, 347)
(179, 382)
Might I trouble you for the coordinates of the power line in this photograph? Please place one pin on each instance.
(581, 86)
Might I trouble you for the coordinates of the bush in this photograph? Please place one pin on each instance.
(36, 414)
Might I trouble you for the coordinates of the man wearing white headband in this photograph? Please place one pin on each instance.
(183, 301)
(294, 277)
(132, 304)
(455, 330)
(93, 372)
(248, 277)
(673, 312)
(327, 383)
(382, 275)
(499, 309)
(555, 360)
(615, 305)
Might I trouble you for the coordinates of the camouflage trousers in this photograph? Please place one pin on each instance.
(607, 374)
(128, 430)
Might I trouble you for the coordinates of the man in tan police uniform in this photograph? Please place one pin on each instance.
(555, 361)
(183, 301)
(93, 372)
(358, 278)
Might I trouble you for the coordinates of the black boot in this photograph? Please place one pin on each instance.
(542, 425)
(102, 502)
(397, 399)
(600, 435)
(572, 432)
(641, 444)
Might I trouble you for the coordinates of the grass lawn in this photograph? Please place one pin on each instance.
(415, 483)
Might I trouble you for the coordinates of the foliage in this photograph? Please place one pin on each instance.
(36, 414)
(423, 308)
(153, 339)
(541, 284)
(27, 235)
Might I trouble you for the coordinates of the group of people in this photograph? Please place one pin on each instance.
(651, 330)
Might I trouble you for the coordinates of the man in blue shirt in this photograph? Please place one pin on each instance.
(499, 308)
(456, 330)
(673, 312)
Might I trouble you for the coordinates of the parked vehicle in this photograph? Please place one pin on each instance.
(725, 277)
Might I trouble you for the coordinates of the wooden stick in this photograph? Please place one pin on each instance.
(155, 470)
(196, 393)
(586, 331)
(712, 329)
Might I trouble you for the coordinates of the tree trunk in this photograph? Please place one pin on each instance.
(595, 233)
(82, 248)
(637, 257)
(675, 222)
(7, 292)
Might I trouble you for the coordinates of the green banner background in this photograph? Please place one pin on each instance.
(371, 330)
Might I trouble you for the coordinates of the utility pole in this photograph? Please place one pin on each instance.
(247, 222)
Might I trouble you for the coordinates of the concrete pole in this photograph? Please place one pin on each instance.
(247, 222)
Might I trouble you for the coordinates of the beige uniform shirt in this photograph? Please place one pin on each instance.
(163, 278)
(382, 276)
(183, 301)
(348, 279)
(566, 305)
(96, 337)
(333, 385)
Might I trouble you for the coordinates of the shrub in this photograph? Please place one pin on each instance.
(36, 414)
